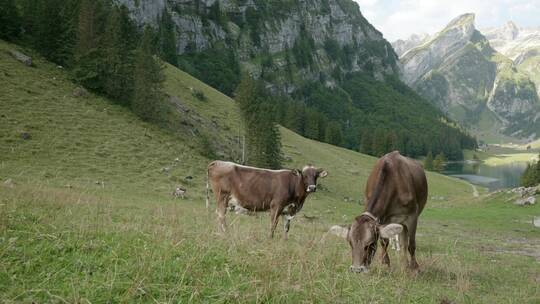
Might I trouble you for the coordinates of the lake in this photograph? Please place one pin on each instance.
(491, 177)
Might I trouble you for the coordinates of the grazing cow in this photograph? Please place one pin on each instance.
(396, 193)
(179, 192)
(283, 192)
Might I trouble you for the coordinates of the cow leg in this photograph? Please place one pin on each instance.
(222, 210)
(412, 246)
(286, 225)
(384, 251)
(274, 217)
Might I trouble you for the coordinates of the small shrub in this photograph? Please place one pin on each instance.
(199, 95)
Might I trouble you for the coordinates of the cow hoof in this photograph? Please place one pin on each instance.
(361, 269)
(414, 270)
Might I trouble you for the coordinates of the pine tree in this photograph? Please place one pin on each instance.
(263, 142)
(439, 162)
(148, 95)
(531, 176)
(10, 20)
(118, 56)
(312, 124)
(392, 142)
(334, 135)
(428, 162)
(366, 143)
(296, 117)
(269, 137)
(167, 38)
(526, 177)
(89, 57)
(537, 172)
(49, 27)
(379, 143)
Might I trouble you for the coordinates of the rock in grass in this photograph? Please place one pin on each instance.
(9, 183)
(80, 92)
(27, 60)
(531, 200)
(524, 191)
(26, 136)
(536, 221)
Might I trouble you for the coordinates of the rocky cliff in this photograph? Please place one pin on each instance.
(522, 45)
(306, 40)
(459, 71)
(403, 45)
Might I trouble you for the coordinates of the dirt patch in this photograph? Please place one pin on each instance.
(523, 247)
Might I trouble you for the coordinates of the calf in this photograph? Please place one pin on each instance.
(179, 192)
(283, 192)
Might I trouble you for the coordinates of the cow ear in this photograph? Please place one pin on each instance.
(323, 173)
(390, 230)
(296, 172)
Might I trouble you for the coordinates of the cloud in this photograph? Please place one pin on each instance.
(399, 19)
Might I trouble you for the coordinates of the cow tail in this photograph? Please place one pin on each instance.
(379, 186)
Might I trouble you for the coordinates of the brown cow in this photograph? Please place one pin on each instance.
(283, 192)
(396, 193)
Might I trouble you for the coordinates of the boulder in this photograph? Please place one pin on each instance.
(80, 92)
(523, 191)
(27, 60)
(531, 200)
(536, 221)
(26, 135)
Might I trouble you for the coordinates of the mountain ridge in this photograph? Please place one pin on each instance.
(460, 72)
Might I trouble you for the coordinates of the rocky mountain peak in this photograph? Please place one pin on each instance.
(510, 30)
(463, 21)
(421, 59)
(459, 71)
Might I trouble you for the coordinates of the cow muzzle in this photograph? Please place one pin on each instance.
(359, 269)
(311, 188)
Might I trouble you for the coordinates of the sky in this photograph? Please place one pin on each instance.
(399, 19)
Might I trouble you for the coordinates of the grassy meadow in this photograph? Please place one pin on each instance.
(87, 216)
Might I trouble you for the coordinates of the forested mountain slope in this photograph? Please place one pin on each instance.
(335, 77)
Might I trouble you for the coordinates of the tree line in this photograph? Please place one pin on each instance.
(99, 44)
(531, 176)
(373, 117)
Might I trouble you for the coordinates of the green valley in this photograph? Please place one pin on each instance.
(86, 213)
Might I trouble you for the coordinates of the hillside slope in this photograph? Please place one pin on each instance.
(80, 140)
(66, 238)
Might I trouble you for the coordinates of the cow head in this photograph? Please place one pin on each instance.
(363, 236)
(309, 176)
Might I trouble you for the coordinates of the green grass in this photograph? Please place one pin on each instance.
(502, 159)
(128, 241)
